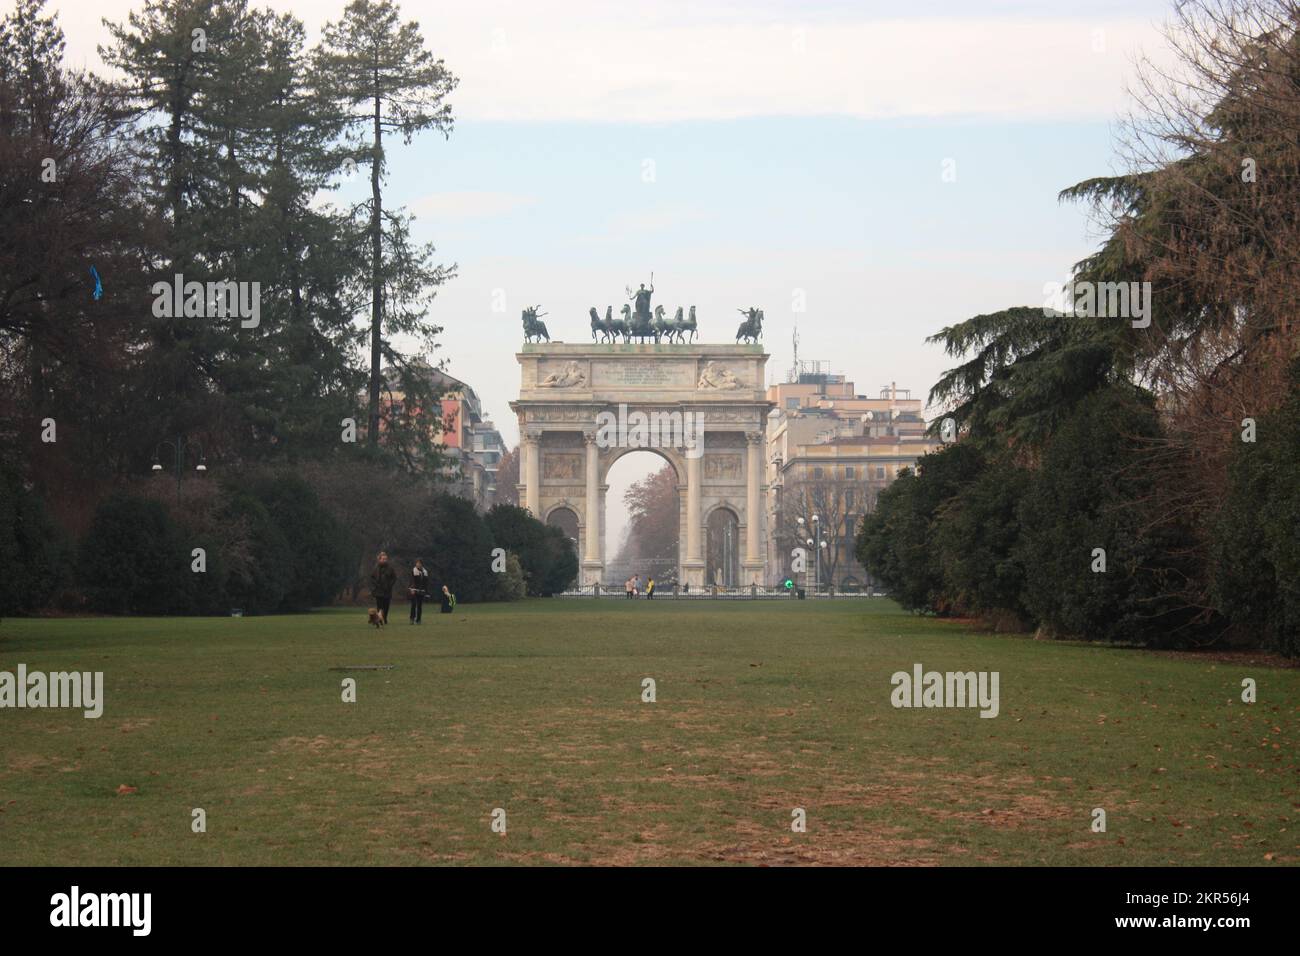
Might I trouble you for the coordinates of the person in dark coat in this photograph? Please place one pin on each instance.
(382, 581)
(419, 588)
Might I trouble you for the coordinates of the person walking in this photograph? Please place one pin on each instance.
(650, 590)
(419, 589)
(382, 580)
(627, 586)
(448, 600)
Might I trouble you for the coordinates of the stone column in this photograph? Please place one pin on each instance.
(532, 474)
(592, 565)
(754, 564)
(693, 566)
(753, 514)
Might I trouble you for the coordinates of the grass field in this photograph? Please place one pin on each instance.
(536, 708)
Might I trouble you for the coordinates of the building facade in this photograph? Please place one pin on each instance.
(471, 445)
(830, 452)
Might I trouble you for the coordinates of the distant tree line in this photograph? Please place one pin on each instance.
(1165, 445)
(263, 543)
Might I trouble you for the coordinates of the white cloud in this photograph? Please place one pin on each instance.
(670, 61)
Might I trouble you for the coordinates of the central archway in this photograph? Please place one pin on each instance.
(643, 518)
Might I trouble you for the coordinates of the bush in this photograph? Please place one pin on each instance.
(510, 584)
(259, 581)
(456, 547)
(1087, 494)
(1255, 541)
(896, 541)
(547, 557)
(133, 560)
(33, 555)
(976, 536)
(321, 558)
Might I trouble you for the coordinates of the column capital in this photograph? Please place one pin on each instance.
(754, 438)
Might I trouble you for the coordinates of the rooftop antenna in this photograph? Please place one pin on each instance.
(794, 372)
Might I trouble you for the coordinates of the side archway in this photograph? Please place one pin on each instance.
(722, 547)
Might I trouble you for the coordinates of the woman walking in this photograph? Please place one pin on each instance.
(382, 580)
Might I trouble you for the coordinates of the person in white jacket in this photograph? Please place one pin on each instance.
(419, 590)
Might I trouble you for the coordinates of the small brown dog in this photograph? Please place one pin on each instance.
(375, 618)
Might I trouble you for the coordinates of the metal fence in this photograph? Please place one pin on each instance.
(751, 592)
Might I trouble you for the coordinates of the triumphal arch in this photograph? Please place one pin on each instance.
(703, 408)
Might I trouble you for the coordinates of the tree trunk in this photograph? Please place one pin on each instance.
(376, 279)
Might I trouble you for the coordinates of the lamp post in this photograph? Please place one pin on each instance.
(817, 552)
(180, 446)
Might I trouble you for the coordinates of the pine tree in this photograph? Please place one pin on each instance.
(381, 79)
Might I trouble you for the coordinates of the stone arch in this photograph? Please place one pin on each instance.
(564, 517)
(610, 456)
(722, 546)
(568, 391)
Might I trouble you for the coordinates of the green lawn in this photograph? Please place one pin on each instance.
(536, 708)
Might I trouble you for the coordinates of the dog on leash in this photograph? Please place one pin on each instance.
(376, 619)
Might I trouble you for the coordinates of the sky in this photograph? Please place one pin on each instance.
(869, 172)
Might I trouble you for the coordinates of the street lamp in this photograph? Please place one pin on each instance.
(817, 553)
(179, 447)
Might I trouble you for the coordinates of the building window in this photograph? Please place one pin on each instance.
(848, 471)
(817, 472)
(880, 472)
(848, 499)
(791, 403)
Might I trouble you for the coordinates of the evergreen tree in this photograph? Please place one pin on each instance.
(381, 79)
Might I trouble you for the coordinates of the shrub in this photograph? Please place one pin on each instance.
(456, 547)
(1088, 494)
(132, 559)
(1255, 546)
(321, 558)
(33, 556)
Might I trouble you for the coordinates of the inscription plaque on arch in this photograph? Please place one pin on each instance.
(642, 373)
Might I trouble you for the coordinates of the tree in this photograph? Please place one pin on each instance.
(133, 559)
(976, 535)
(507, 479)
(896, 540)
(378, 74)
(456, 546)
(1082, 499)
(804, 498)
(67, 205)
(321, 556)
(32, 558)
(1255, 549)
(652, 505)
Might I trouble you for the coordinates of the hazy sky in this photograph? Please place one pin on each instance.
(759, 153)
